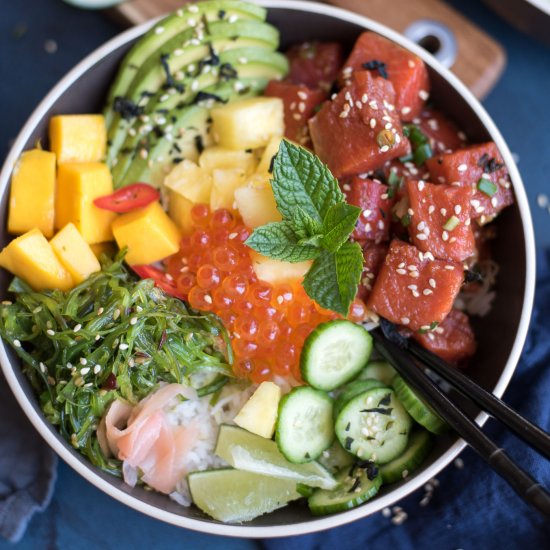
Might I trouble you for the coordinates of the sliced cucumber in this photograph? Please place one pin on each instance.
(379, 370)
(304, 424)
(419, 410)
(349, 391)
(334, 353)
(352, 491)
(399, 468)
(335, 458)
(374, 426)
(250, 452)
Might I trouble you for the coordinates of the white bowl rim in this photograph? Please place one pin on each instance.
(327, 522)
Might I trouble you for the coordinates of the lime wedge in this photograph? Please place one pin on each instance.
(253, 453)
(233, 496)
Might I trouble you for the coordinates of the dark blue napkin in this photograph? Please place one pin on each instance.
(471, 508)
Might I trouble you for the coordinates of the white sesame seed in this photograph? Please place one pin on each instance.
(405, 110)
(85, 371)
(432, 283)
(405, 320)
(208, 298)
(386, 512)
(97, 369)
(401, 271)
(343, 114)
(462, 167)
(83, 361)
(475, 203)
(494, 202)
(443, 211)
(50, 332)
(77, 327)
(17, 343)
(368, 227)
(133, 320)
(421, 237)
(431, 209)
(427, 292)
(381, 225)
(388, 126)
(423, 95)
(450, 267)
(410, 212)
(97, 337)
(445, 236)
(405, 474)
(421, 226)
(100, 311)
(373, 105)
(123, 347)
(372, 123)
(384, 148)
(421, 185)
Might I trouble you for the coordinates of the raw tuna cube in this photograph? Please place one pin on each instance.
(453, 340)
(406, 71)
(358, 130)
(299, 104)
(373, 199)
(373, 255)
(412, 290)
(440, 220)
(443, 134)
(480, 168)
(315, 64)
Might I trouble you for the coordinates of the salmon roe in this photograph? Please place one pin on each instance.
(267, 324)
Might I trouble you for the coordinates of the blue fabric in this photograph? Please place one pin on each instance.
(472, 508)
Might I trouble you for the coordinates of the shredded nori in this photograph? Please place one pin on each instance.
(347, 443)
(489, 164)
(199, 144)
(227, 72)
(205, 96)
(369, 466)
(356, 484)
(376, 65)
(170, 82)
(386, 400)
(126, 108)
(473, 276)
(272, 163)
(378, 410)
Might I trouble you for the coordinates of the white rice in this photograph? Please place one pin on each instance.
(480, 302)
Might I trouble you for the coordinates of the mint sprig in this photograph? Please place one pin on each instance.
(317, 224)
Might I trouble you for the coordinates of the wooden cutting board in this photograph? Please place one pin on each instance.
(480, 59)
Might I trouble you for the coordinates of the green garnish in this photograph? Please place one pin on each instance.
(111, 336)
(422, 153)
(316, 225)
(487, 186)
(394, 182)
(406, 220)
(451, 223)
(420, 145)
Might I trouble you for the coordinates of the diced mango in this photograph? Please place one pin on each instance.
(259, 414)
(179, 210)
(190, 181)
(276, 271)
(74, 253)
(224, 184)
(108, 248)
(32, 193)
(214, 158)
(31, 258)
(269, 152)
(78, 184)
(248, 123)
(149, 234)
(256, 203)
(78, 138)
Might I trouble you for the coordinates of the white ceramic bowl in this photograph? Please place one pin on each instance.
(501, 335)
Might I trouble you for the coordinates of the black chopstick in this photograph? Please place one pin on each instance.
(524, 485)
(538, 439)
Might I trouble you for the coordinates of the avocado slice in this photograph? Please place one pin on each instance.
(165, 29)
(185, 137)
(256, 65)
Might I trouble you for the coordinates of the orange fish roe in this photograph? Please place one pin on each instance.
(267, 324)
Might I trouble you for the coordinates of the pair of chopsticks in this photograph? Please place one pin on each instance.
(399, 352)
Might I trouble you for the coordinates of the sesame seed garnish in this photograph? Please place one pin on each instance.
(17, 343)
(77, 327)
(85, 371)
(83, 361)
(97, 337)
(432, 283)
(380, 224)
(443, 211)
(445, 236)
(421, 185)
(343, 114)
(372, 123)
(431, 209)
(427, 292)
(97, 369)
(405, 110)
(457, 209)
(462, 167)
(450, 267)
(384, 148)
(143, 153)
(133, 320)
(401, 265)
(297, 116)
(373, 105)
(410, 212)
(421, 236)
(401, 271)
(368, 227)
(405, 320)
(50, 332)
(123, 347)
(423, 95)
(421, 226)
(386, 512)
(494, 202)
(208, 298)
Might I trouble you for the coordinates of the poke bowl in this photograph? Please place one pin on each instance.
(500, 332)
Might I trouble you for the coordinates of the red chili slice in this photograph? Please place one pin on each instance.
(131, 197)
(162, 279)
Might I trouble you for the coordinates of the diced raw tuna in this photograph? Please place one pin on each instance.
(315, 64)
(406, 71)
(299, 104)
(440, 220)
(373, 199)
(480, 168)
(453, 340)
(443, 134)
(373, 255)
(412, 290)
(358, 130)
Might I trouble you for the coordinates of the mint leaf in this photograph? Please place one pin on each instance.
(338, 224)
(304, 225)
(278, 240)
(333, 278)
(300, 179)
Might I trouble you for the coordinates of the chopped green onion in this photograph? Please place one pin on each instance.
(406, 158)
(394, 182)
(406, 220)
(451, 223)
(487, 186)
(422, 153)
(415, 134)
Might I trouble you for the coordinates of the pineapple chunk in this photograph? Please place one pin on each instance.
(225, 182)
(269, 152)
(179, 210)
(248, 123)
(277, 272)
(256, 203)
(190, 181)
(259, 413)
(220, 158)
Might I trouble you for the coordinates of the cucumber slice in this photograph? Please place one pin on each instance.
(379, 370)
(349, 391)
(419, 410)
(374, 426)
(233, 496)
(351, 492)
(253, 453)
(334, 353)
(419, 446)
(304, 424)
(335, 458)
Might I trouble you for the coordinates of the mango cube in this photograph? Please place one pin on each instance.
(31, 258)
(224, 184)
(78, 184)
(278, 272)
(179, 210)
(248, 123)
(190, 181)
(78, 138)
(75, 253)
(219, 158)
(269, 152)
(32, 193)
(256, 203)
(149, 234)
(259, 414)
